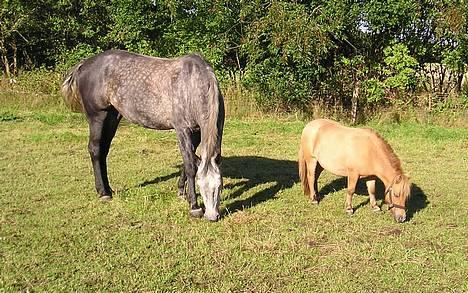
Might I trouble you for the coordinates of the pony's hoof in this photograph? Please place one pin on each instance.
(349, 211)
(376, 209)
(314, 201)
(105, 198)
(196, 213)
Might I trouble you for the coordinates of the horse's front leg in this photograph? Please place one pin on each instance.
(190, 170)
(102, 128)
(371, 190)
(182, 183)
(352, 180)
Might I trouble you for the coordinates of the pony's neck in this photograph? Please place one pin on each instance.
(389, 175)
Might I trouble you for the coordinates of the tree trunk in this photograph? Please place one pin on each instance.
(354, 101)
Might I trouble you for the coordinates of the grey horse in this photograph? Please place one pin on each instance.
(156, 93)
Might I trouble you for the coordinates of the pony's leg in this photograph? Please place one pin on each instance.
(313, 172)
(196, 139)
(102, 128)
(352, 180)
(190, 168)
(371, 190)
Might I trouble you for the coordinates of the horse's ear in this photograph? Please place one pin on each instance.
(398, 179)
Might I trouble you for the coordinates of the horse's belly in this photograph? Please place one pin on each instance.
(147, 112)
(149, 120)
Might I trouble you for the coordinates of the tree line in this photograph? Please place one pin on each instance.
(290, 54)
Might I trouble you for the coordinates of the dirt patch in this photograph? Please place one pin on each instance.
(391, 232)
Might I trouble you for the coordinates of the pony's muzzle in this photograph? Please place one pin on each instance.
(400, 219)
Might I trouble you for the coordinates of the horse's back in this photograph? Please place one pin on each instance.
(145, 90)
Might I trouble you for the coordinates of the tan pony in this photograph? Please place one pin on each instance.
(355, 153)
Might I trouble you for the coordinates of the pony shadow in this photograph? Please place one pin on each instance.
(251, 171)
(416, 202)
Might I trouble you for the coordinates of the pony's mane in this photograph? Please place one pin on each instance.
(394, 160)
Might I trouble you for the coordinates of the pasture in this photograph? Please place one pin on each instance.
(55, 235)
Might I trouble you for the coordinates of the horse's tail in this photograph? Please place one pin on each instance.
(303, 172)
(70, 93)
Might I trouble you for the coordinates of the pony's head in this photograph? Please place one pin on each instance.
(397, 195)
(210, 182)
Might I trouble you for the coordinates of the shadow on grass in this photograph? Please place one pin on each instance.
(416, 202)
(256, 171)
(253, 171)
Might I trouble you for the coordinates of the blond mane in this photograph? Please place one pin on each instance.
(394, 160)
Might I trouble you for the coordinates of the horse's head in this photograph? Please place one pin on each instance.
(397, 195)
(210, 182)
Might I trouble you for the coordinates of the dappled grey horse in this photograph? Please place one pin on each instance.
(156, 93)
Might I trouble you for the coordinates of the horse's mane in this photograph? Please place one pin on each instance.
(394, 160)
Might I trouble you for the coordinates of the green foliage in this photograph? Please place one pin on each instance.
(288, 54)
(373, 90)
(284, 48)
(399, 68)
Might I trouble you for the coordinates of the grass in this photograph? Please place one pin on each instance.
(56, 236)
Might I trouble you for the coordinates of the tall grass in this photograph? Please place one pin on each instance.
(40, 89)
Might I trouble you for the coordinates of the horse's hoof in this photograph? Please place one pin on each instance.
(105, 197)
(376, 209)
(196, 213)
(314, 201)
(350, 211)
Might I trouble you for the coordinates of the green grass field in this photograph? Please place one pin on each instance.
(55, 235)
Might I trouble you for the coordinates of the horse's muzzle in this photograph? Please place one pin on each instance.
(213, 217)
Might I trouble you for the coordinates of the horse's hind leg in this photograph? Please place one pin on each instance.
(314, 169)
(190, 169)
(196, 138)
(102, 128)
(371, 190)
(352, 180)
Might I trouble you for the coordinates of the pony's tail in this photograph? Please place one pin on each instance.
(70, 93)
(303, 172)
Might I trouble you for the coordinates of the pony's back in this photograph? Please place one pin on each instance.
(339, 148)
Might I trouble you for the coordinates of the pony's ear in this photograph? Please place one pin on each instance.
(398, 179)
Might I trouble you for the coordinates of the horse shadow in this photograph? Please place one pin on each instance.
(416, 202)
(252, 171)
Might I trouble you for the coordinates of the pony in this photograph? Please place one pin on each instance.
(355, 153)
(160, 94)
